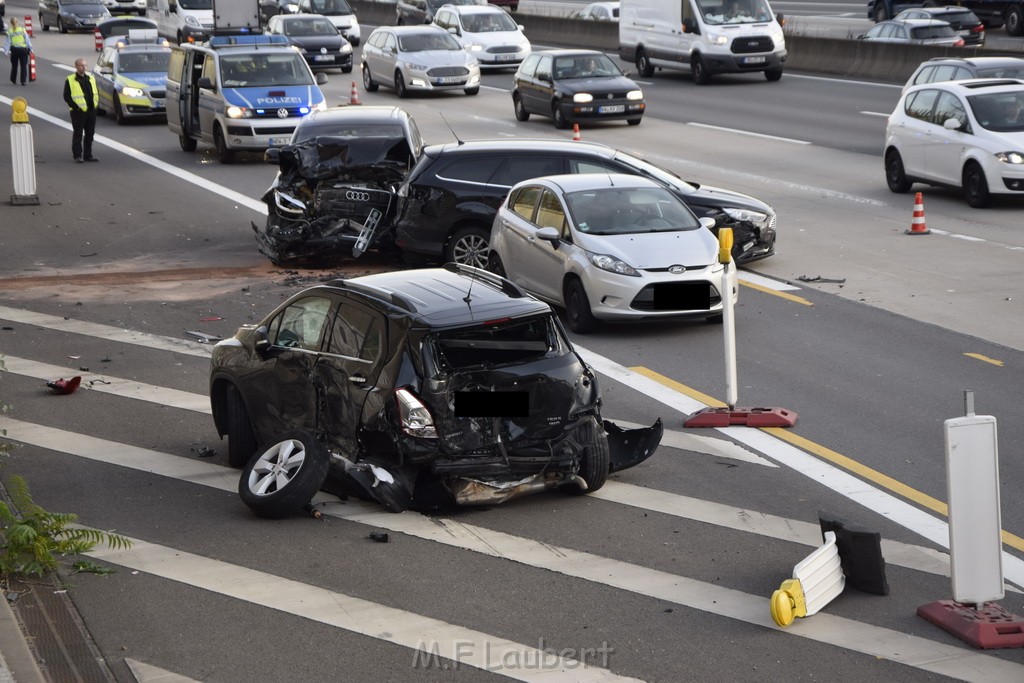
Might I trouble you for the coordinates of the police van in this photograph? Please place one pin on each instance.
(239, 92)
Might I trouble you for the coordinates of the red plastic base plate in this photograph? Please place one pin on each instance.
(987, 628)
(749, 417)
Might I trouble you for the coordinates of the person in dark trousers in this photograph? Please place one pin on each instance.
(82, 97)
(19, 46)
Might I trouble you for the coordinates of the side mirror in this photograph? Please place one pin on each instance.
(550, 235)
(687, 25)
(707, 222)
(952, 124)
(106, 70)
(520, 27)
(205, 82)
(262, 343)
(454, 30)
(781, 18)
(321, 78)
(272, 156)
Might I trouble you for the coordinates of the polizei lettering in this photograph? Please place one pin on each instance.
(274, 101)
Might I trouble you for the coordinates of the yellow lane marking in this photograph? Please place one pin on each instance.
(849, 464)
(980, 357)
(784, 295)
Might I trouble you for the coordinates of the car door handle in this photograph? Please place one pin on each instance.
(357, 379)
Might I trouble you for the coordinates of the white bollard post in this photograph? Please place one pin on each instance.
(23, 156)
(725, 241)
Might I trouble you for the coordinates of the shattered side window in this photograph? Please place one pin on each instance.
(301, 324)
(356, 334)
(500, 343)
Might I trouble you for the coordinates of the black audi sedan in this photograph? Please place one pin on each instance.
(322, 45)
(573, 86)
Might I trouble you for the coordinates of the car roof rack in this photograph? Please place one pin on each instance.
(507, 287)
(989, 82)
(395, 300)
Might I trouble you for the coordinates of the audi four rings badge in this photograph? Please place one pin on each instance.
(357, 196)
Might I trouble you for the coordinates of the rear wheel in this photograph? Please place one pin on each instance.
(368, 83)
(283, 478)
(701, 76)
(1015, 21)
(400, 88)
(643, 64)
(594, 459)
(577, 308)
(42, 22)
(773, 74)
(880, 13)
(242, 443)
(520, 108)
(187, 143)
(556, 113)
(470, 246)
(224, 154)
(895, 176)
(975, 186)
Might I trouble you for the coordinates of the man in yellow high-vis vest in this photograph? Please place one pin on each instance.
(19, 46)
(82, 97)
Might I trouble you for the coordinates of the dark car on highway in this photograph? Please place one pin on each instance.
(321, 44)
(573, 86)
(452, 195)
(71, 15)
(411, 12)
(965, 22)
(939, 69)
(413, 389)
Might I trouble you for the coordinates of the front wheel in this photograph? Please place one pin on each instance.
(880, 13)
(895, 176)
(577, 308)
(368, 84)
(472, 91)
(643, 64)
(975, 186)
(520, 108)
(594, 459)
(224, 154)
(400, 88)
(1015, 21)
(42, 22)
(772, 75)
(470, 246)
(633, 122)
(118, 112)
(346, 69)
(283, 478)
(701, 75)
(556, 113)
(60, 25)
(495, 265)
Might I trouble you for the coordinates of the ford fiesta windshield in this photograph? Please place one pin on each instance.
(629, 210)
(258, 70)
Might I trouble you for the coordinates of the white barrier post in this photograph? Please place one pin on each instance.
(23, 156)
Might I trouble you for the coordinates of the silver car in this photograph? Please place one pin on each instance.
(418, 58)
(609, 247)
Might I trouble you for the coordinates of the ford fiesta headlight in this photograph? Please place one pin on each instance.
(582, 97)
(747, 216)
(1010, 157)
(635, 95)
(131, 92)
(718, 38)
(612, 264)
(239, 113)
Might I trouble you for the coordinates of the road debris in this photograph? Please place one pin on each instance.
(822, 280)
(62, 386)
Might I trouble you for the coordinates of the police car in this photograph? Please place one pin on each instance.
(131, 80)
(239, 92)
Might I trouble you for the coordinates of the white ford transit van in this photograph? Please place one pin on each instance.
(182, 20)
(706, 36)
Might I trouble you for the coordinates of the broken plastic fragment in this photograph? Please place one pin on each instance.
(203, 338)
(64, 386)
(209, 318)
(382, 475)
(378, 536)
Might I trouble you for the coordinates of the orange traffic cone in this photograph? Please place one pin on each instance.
(576, 132)
(917, 226)
(32, 66)
(354, 97)
(97, 38)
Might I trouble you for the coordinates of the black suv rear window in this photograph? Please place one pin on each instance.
(500, 343)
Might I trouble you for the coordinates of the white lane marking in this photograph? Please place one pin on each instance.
(840, 632)
(877, 113)
(198, 181)
(767, 282)
(841, 81)
(107, 332)
(147, 673)
(747, 132)
(108, 384)
(663, 502)
(432, 637)
(702, 444)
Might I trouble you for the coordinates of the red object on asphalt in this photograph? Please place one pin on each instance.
(63, 386)
(987, 628)
(746, 417)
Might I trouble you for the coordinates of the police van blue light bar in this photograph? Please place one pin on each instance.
(254, 39)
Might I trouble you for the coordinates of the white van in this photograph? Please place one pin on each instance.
(182, 20)
(706, 36)
(340, 14)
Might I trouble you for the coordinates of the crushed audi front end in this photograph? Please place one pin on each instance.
(334, 196)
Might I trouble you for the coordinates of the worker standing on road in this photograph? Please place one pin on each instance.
(18, 46)
(82, 97)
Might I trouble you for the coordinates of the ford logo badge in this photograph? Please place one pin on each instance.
(676, 270)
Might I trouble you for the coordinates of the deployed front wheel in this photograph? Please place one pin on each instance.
(577, 308)
(594, 459)
(280, 480)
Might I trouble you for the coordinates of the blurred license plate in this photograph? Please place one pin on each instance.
(612, 109)
(279, 141)
(323, 58)
(753, 60)
(505, 57)
(449, 79)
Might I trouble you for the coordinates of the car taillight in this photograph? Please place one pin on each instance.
(959, 43)
(980, 28)
(414, 416)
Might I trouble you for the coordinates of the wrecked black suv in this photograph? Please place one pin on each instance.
(335, 193)
(414, 389)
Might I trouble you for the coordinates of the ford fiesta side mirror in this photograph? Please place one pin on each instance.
(707, 222)
(549, 235)
(951, 124)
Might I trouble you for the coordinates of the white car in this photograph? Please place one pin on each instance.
(600, 11)
(966, 134)
(609, 247)
(487, 32)
(418, 58)
(339, 12)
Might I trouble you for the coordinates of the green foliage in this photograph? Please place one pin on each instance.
(32, 539)
(91, 567)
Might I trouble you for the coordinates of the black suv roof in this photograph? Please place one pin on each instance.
(518, 144)
(452, 296)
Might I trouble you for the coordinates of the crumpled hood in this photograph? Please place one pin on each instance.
(328, 156)
(655, 250)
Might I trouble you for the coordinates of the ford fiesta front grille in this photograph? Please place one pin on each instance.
(753, 44)
(502, 49)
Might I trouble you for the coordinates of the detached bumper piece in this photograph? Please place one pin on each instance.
(746, 417)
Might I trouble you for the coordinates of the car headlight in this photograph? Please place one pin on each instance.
(718, 38)
(239, 113)
(746, 216)
(192, 21)
(321, 105)
(474, 47)
(416, 67)
(1010, 157)
(128, 91)
(612, 264)
(635, 95)
(346, 48)
(525, 45)
(582, 97)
